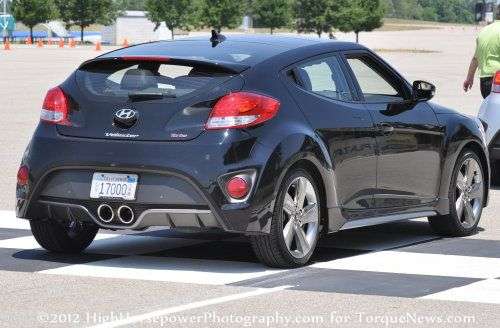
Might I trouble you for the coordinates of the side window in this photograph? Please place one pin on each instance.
(324, 77)
(373, 85)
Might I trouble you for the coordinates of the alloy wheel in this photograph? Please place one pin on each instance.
(469, 193)
(300, 217)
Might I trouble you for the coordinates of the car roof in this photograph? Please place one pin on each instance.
(245, 49)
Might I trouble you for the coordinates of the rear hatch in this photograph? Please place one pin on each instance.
(145, 97)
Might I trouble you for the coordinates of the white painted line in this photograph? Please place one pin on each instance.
(182, 270)
(484, 291)
(191, 306)
(418, 264)
(8, 220)
(29, 242)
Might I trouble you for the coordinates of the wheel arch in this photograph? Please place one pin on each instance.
(453, 153)
(476, 148)
(308, 152)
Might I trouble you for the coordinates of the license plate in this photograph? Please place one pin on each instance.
(113, 185)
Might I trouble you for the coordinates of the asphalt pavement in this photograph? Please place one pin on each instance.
(395, 275)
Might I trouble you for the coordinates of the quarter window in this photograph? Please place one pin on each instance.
(324, 77)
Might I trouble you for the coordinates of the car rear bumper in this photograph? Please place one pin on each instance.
(178, 182)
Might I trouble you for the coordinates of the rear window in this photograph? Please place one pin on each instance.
(153, 79)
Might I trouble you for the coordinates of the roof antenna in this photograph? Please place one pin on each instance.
(216, 38)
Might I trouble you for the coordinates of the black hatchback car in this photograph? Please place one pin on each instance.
(281, 139)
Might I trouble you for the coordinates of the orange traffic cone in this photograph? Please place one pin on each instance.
(39, 44)
(6, 45)
(72, 43)
(49, 42)
(28, 41)
(125, 43)
(98, 46)
(61, 43)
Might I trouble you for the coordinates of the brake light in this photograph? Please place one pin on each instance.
(23, 176)
(241, 110)
(55, 107)
(496, 83)
(237, 187)
(146, 58)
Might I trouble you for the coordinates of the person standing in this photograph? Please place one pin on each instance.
(486, 58)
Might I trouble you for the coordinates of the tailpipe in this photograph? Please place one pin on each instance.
(125, 214)
(105, 213)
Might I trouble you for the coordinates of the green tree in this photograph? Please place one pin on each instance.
(84, 13)
(33, 12)
(273, 13)
(175, 13)
(319, 16)
(219, 14)
(131, 4)
(361, 15)
(388, 8)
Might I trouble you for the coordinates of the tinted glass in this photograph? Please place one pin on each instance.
(373, 85)
(324, 77)
(122, 79)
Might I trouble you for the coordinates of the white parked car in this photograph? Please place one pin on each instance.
(489, 114)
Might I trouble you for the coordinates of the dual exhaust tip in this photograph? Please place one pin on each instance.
(124, 213)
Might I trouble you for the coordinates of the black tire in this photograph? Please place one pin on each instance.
(54, 237)
(271, 249)
(451, 224)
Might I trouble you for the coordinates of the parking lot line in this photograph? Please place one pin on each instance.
(190, 306)
(484, 291)
(418, 263)
(8, 220)
(171, 269)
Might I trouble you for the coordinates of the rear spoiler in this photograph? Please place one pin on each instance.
(219, 65)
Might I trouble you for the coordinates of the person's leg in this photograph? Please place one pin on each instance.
(486, 86)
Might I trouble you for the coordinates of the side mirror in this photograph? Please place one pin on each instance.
(423, 90)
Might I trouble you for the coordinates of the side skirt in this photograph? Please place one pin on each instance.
(385, 219)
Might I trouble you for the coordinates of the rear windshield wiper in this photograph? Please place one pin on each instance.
(149, 95)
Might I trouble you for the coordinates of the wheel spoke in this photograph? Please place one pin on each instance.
(461, 181)
(302, 243)
(469, 172)
(288, 205)
(300, 193)
(476, 190)
(459, 205)
(288, 233)
(469, 214)
(310, 214)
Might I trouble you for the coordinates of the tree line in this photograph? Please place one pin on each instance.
(456, 11)
(317, 16)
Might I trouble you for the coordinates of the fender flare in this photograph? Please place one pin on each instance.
(306, 149)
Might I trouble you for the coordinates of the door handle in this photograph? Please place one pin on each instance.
(385, 128)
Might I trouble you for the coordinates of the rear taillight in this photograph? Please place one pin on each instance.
(496, 83)
(23, 175)
(242, 110)
(55, 107)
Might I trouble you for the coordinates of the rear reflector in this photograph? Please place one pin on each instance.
(237, 187)
(496, 83)
(242, 110)
(23, 175)
(55, 107)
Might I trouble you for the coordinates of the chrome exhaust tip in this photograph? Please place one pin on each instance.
(105, 213)
(125, 214)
